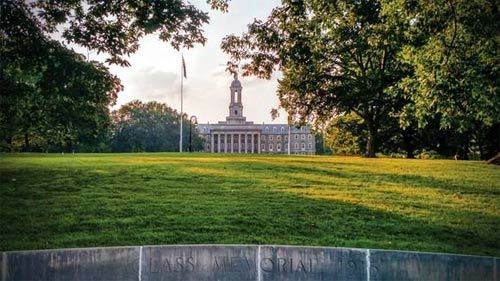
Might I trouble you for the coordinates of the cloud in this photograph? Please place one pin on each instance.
(155, 70)
(152, 84)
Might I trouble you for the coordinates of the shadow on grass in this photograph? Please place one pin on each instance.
(137, 205)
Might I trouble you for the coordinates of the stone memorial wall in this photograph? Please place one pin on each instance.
(242, 263)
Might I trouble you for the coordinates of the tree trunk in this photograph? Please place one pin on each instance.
(495, 160)
(464, 155)
(370, 144)
(408, 142)
(26, 141)
(9, 144)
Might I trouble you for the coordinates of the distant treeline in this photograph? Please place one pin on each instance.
(347, 135)
(135, 127)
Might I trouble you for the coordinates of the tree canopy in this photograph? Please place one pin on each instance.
(419, 61)
(151, 126)
(115, 27)
(53, 98)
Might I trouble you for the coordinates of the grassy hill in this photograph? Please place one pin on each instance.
(57, 201)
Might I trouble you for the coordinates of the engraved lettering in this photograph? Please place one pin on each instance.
(236, 264)
(311, 267)
(152, 267)
(190, 263)
(281, 264)
(301, 267)
(221, 265)
(167, 265)
(249, 263)
(267, 264)
(352, 266)
(179, 264)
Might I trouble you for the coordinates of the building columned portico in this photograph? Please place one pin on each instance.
(237, 135)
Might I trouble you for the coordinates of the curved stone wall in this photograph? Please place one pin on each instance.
(242, 263)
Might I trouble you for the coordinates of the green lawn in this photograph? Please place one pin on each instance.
(58, 201)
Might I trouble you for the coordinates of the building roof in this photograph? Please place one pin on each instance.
(236, 83)
(268, 129)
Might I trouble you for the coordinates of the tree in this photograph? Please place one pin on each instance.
(52, 94)
(453, 48)
(345, 134)
(49, 93)
(115, 27)
(150, 127)
(337, 57)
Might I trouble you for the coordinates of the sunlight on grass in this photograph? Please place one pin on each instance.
(53, 200)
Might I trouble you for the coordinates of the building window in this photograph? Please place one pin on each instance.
(263, 137)
(303, 136)
(296, 136)
(303, 146)
(278, 138)
(270, 137)
(267, 129)
(270, 147)
(282, 129)
(310, 136)
(236, 112)
(278, 147)
(286, 138)
(310, 146)
(296, 145)
(263, 147)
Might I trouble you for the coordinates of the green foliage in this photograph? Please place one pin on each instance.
(88, 200)
(453, 46)
(336, 57)
(345, 135)
(50, 95)
(51, 98)
(150, 126)
(115, 27)
(422, 62)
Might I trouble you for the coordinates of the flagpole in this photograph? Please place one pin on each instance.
(289, 133)
(182, 96)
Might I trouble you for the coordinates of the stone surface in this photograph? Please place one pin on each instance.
(3, 267)
(74, 264)
(311, 263)
(199, 263)
(242, 263)
(399, 265)
(496, 270)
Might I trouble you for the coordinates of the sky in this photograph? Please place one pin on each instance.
(155, 69)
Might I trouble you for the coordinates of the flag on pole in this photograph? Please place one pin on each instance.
(184, 67)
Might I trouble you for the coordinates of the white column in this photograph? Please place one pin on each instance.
(246, 142)
(239, 142)
(218, 143)
(232, 143)
(225, 143)
(252, 142)
(212, 142)
(258, 143)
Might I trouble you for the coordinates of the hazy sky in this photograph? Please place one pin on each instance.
(155, 70)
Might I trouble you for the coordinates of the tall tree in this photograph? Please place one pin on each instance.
(453, 48)
(150, 126)
(51, 93)
(115, 27)
(337, 57)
